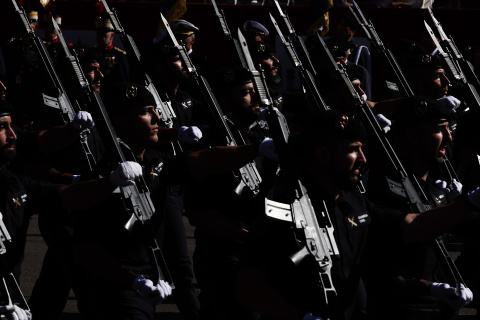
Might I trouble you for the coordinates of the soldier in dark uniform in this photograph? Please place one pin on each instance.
(221, 208)
(51, 39)
(23, 197)
(254, 31)
(114, 62)
(328, 156)
(264, 54)
(112, 256)
(421, 134)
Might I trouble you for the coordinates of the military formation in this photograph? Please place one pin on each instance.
(112, 148)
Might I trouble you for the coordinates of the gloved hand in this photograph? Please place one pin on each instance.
(126, 173)
(83, 120)
(445, 293)
(384, 123)
(267, 149)
(309, 316)
(15, 312)
(457, 187)
(450, 102)
(156, 294)
(264, 112)
(189, 134)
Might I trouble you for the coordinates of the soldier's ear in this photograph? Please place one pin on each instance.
(322, 154)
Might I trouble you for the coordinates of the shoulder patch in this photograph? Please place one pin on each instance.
(120, 50)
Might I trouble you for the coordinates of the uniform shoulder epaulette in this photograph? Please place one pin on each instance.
(120, 50)
(12, 40)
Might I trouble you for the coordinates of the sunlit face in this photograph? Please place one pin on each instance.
(432, 141)
(105, 39)
(7, 140)
(140, 127)
(93, 75)
(435, 83)
(245, 102)
(347, 162)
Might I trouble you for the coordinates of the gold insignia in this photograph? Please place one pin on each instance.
(351, 220)
(341, 123)
(421, 108)
(229, 76)
(131, 92)
(153, 173)
(17, 203)
(335, 49)
(261, 48)
(426, 58)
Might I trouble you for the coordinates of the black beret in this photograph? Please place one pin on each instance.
(338, 45)
(413, 56)
(230, 77)
(420, 109)
(125, 95)
(87, 54)
(6, 109)
(162, 50)
(328, 128)
(261, 49)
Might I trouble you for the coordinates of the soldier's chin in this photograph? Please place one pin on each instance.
(7, 156)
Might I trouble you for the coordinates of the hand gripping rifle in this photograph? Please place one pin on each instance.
(249, 174)
(164, 108)
(316, 229)
(401, 85)
(232, 42)
(305, 75)
(61, 101)
(135, 197)
(297, 42)
(449, 47)
(407, 187)
(10, 292)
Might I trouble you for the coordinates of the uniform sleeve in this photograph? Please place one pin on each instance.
(176, 170)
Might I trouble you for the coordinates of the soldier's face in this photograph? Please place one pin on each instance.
(433, 139)
(7, 139)
(141, 126)
(244, 99)
(270, 66)
(176, 69)
(50, 33)
(435, 83)
(347, 162)
(189, 41)
(94, 75)
(104, 39)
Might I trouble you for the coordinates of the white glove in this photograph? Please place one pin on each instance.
(156, 294)
(445, 293)
(83, 120)
(474, 197)
(189, 134)
(456, 187)
(309, 316)
(126, 173)
(384, 123)
(14, 312)
(267, 149)
(450, 102)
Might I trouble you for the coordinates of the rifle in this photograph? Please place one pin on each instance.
(10, 292)
(464, 67)
(232, 42)
(401, 85)
(61, 100)
(317, 229)
(249, 174)
(305, 75)
(135, 197)
(163, 108)
(407, 186)
(469, 93)
(297, 41)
